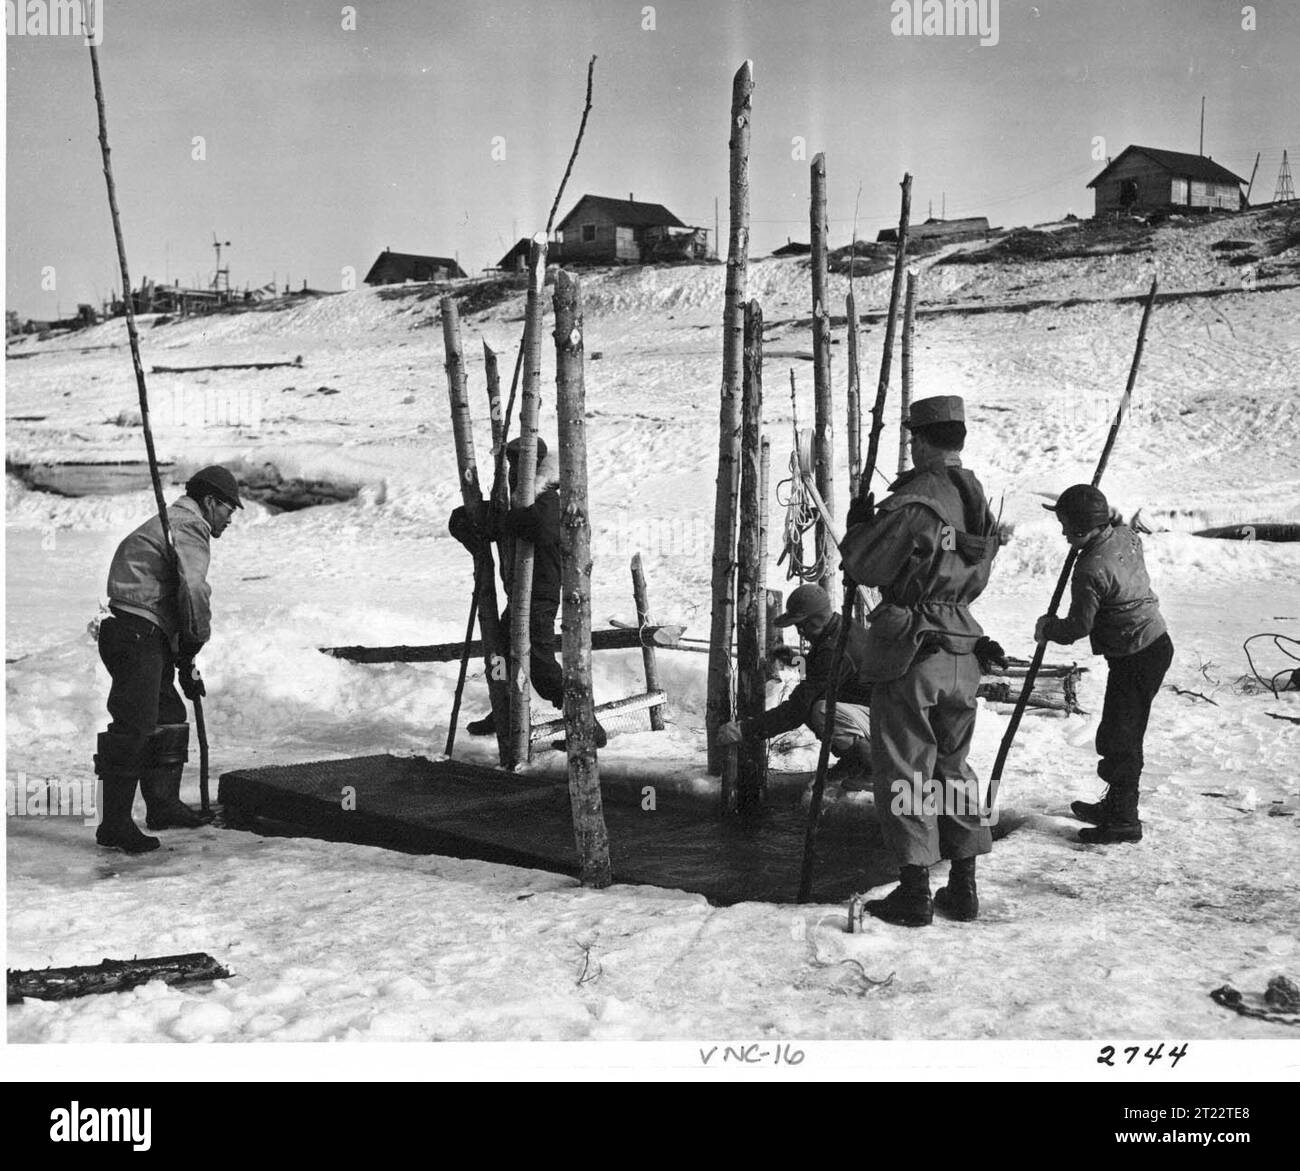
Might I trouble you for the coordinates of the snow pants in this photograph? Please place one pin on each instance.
(143, 694)
(921, 730)
(852, 723)
(544, 670)
(1132, 683)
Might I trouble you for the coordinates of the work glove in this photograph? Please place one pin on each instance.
(728, 734)
(990, 654)
(1040, 628)
(187, 675)
(861, 509)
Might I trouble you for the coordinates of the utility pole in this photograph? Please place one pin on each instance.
(1202, 146)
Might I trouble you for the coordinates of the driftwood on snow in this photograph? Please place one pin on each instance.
(297, 362)
(111, 976)
(446, 652)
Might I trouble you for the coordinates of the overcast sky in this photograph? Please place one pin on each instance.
(322, 145)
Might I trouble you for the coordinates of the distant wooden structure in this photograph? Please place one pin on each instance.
(600, 230)
(516, 260)
(792, 248)
(940, 231)
(394, 268)
(1143, 179)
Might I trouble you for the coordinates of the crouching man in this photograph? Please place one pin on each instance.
(809, 611)
(160, 619)
(1111, 601)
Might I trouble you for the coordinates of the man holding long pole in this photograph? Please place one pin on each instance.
(929, 548)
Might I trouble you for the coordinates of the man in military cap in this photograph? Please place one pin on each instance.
(810, 612)
(929, 548)
(160, 618)
(1111, 600)
(539, 523)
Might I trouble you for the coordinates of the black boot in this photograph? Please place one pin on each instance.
(909, 904)
(958, 900)
(161, 787)
(853, 769)
(487, 726)
(1093, 812)
(1121, 823)
(117, 830)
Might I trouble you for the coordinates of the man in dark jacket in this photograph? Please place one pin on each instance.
(809, 611)
(538, 523)
(1111, 600)
(929, 548)
(160, 619)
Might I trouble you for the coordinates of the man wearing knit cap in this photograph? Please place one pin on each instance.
(928, 548)
(160, 619)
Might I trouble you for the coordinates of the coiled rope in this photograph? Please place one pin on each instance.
(801, 516)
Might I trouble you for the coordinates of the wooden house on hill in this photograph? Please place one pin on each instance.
(1143, 179)
(516, 260)
(600, 230)
(940, 231)
(394, 268)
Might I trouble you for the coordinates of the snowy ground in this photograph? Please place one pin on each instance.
(338, 942)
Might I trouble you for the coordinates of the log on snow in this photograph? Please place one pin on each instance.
(111, 976)
(447, 652)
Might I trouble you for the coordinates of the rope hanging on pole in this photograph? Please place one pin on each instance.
(801, 516)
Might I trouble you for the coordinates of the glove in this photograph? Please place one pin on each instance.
(861, 510)
(187, 675)
(1040, 628)
(728, 734)
(783, 655)
(990, 654)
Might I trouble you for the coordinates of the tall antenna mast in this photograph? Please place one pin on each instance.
(221, 273)
(1285, 192)
(1202, 149)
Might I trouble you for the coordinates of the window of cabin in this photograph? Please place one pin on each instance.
(1178, 191)
(588, 233)
(1128, 192)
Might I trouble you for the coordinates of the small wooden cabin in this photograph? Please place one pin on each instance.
(394, 268)
(1144, 179)
(600, 230)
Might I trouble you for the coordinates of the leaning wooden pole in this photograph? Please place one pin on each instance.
(1008, 737)
(751, 687)
(823, 407)
(718, 708)
(524, 494)
(905, 405)
(472, 497)
(764, 495)
(641, 597)
(589, 830)
(891, 322)
(495, 411)
(855, 400)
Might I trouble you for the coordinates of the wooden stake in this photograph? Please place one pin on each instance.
(472, 497)
(764, 496)
(589, 830)
(855, 407)
(642, 598)
(524, 494)
(751, 689)
(823, 422)
(887, 354)
(909, 328)
(717, 708)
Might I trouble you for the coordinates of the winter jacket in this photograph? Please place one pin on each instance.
(1111, 597)
(539, 523)
(142, 579)
(929, 549)
(854, 684)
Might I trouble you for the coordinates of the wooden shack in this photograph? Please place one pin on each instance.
(600, 230)
(394, 268)
(1142, 179)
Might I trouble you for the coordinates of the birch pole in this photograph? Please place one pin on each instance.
(855, 399)
(717, 708)
(823, 425)
(472, 497)
(891, 323)
(764, 495)
(641, 596)
(909, 327)
(751, 690)
(590, 834)
(524, 494)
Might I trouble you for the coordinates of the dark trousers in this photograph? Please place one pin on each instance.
(544, 670)
(1131, 685)
(143, 669)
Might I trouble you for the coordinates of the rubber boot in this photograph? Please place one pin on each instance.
(161, 786)
(1093, 812)
(1121, 824)
(117, 830)
(909, 904)
(117, 766)
(959, 900)
(487, 726)
(853, 769)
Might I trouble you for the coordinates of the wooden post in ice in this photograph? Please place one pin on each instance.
(855, 400)
(717, 707)
(764, 487)
(523, 494)
(642, 598)
(472, 497)
(891, 322)
(823, 426)
(751, 687)
(909, 325)
(500, 486)
(589, 831)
